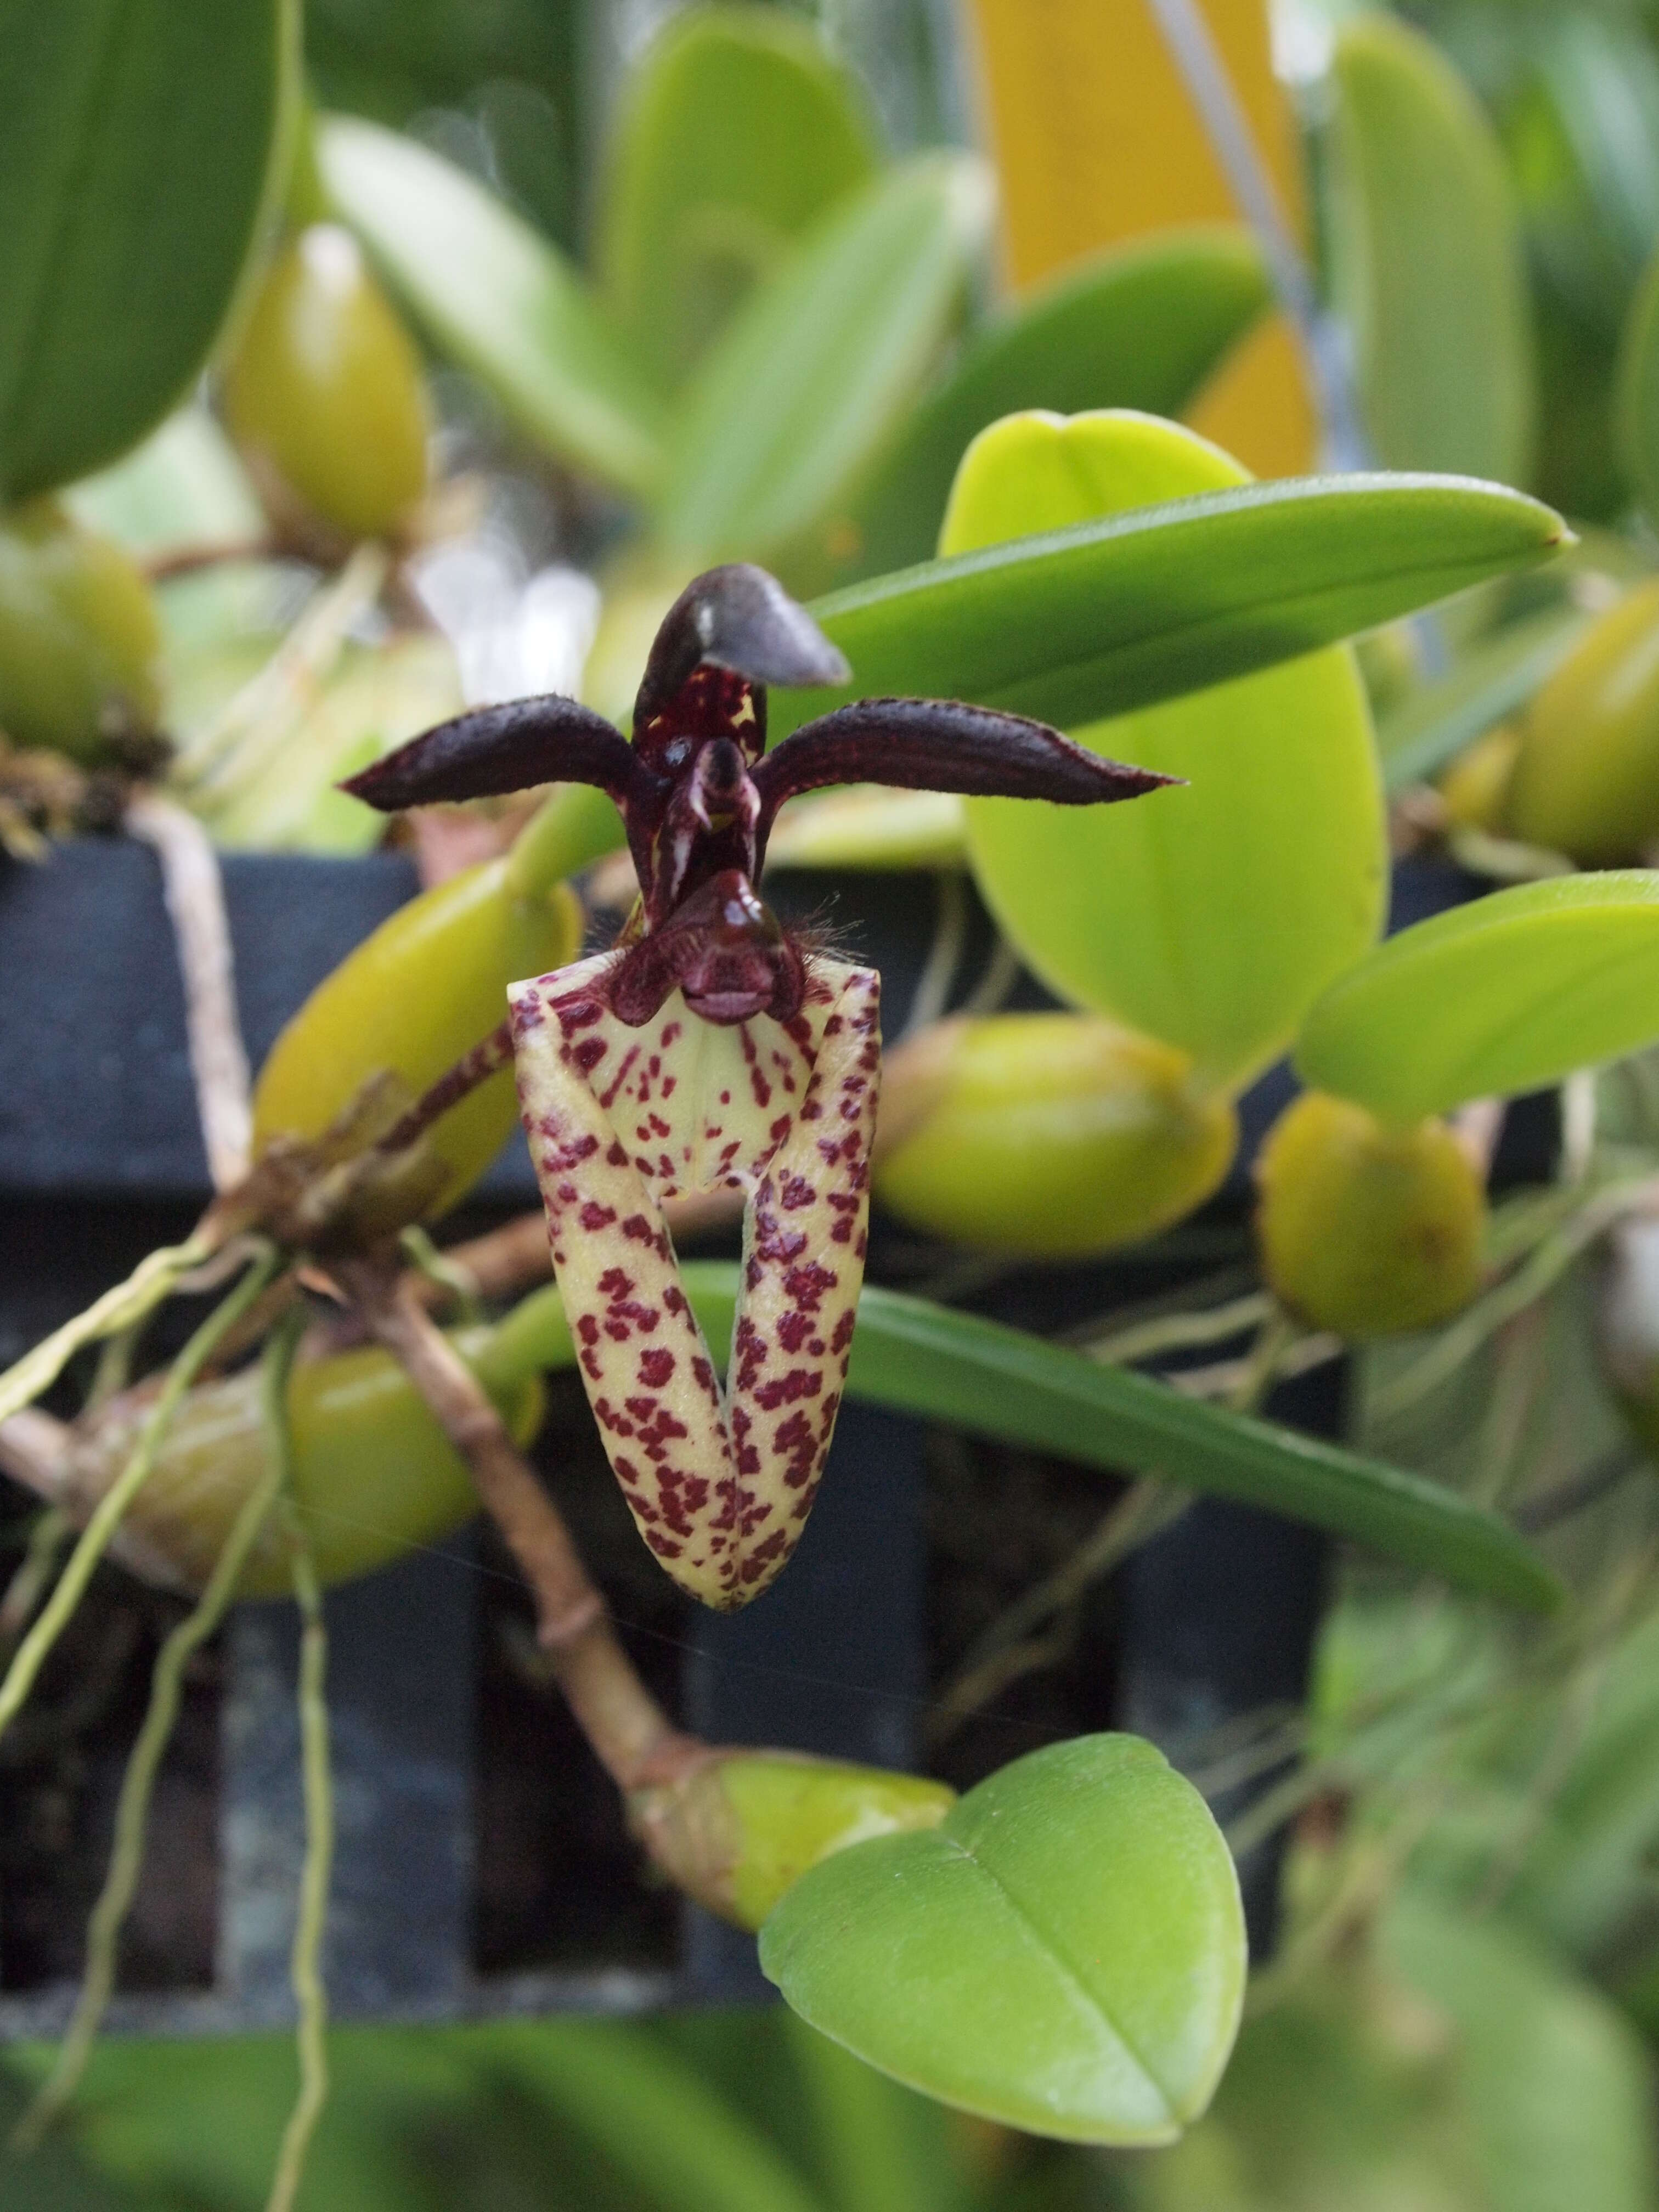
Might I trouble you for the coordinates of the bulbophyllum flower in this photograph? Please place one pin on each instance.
(710, 1049)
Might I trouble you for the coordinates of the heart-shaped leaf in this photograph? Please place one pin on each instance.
(1211, 917)
(138, 152)
(1107, 616)
(500, 298)
(735, 131)
(820, 365)
(1438, 308)
(1064, 1953)
(1141, 327)
(1501, 996)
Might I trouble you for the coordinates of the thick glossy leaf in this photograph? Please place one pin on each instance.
(1434, 723)
(1064, 1953)
(1638, 391)
(1141, 327)
(498, 298)
(138, 152)
(1212, 916)
(925, 1359)
(819, 366)
(1501, 996)
(1437, 301)
(1108, 615)
(736, 130)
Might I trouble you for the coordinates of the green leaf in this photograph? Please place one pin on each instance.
(1637, 402)
(819, 366)
(735, 131)
(1212, 916)
(1141, 327)
(880, 2148)
(1435, 722)
(495, 295)
(917, 1358)
(1557, 2083)
(1107, 616)
(1065, 1952)
(683, 2146)
(1505, 995)
(1437, 301)
(139, 153)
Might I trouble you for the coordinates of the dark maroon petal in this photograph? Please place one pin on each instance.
(500, 749)
(940, 745)
(742, 619)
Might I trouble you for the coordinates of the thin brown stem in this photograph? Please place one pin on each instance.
(632, 1737)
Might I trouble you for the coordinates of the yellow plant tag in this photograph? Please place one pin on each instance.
(1097, 140)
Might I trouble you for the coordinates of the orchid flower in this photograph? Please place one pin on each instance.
(710, 1049)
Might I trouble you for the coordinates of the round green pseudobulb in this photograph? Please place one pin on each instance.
(373, 1474)
(1047, 1134)
(411, 999)
(1586, 777)
(324, 393)
(79, 642)
(1367, 1230)
(739, 1831)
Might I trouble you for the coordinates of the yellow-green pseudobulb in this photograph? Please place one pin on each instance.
(324, 393)
(737, 1831)
(1046, 1134)
(80, 640)
(1367, 1230)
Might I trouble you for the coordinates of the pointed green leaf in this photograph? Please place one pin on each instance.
(1507, 995)
(1142, 326)
(139, 153)
(1064, 1953)
(736, 130)
(1212, 916)
(1437, 302)
(917, 1358)
(500, 298)
(818, 368)
(1107, 616)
